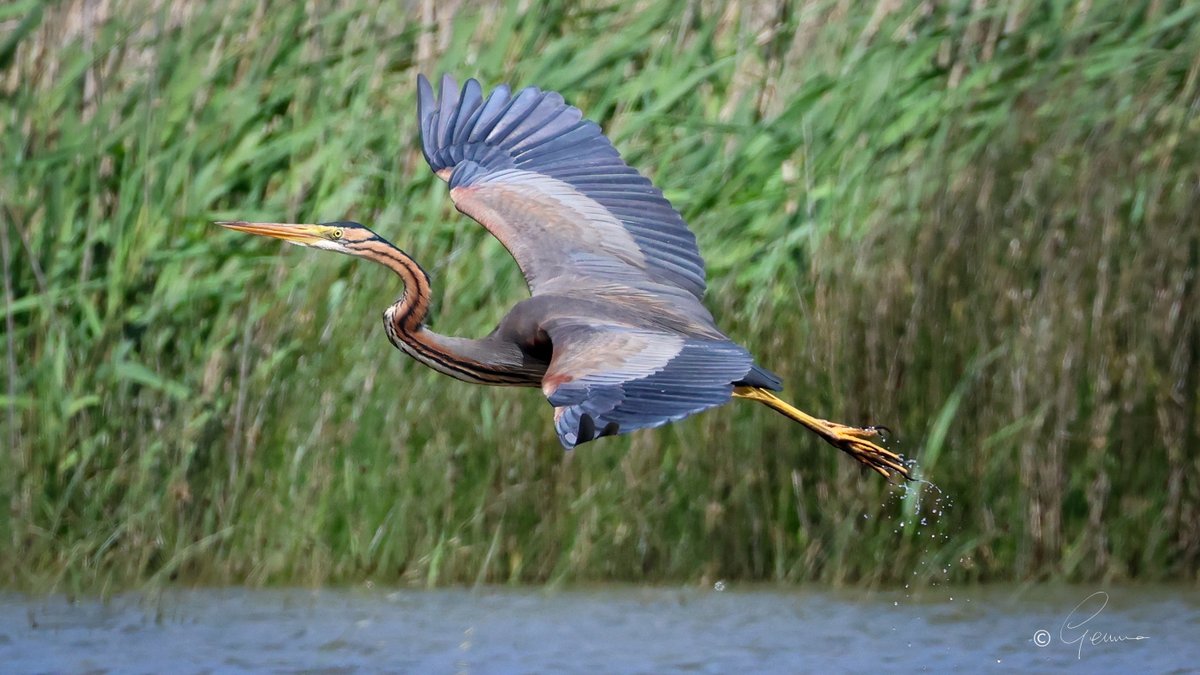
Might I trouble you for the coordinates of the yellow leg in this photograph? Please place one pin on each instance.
(854, 441)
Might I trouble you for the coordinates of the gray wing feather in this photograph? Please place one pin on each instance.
(634, 379)
(538, 132)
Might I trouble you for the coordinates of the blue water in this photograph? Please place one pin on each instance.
(609, 629)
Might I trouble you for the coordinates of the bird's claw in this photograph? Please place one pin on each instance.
(858, 443)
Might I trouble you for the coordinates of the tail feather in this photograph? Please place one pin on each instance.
(761, 378)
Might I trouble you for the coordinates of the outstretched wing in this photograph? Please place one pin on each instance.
(583, 224)
(608, 378)
(553, 190)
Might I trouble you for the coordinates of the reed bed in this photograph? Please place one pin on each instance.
(977, 223)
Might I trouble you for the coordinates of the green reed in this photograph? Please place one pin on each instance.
(978, 226)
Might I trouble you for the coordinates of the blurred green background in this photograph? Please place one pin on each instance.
(977, 223)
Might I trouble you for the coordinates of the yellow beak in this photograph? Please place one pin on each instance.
(294, 233)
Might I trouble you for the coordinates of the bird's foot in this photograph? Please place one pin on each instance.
(859, 443)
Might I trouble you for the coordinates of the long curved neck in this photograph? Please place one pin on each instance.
(407, 315)
(487, 361)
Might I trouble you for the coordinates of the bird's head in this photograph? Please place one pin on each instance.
(342, 236)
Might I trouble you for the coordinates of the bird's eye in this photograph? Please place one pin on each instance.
(337, 234)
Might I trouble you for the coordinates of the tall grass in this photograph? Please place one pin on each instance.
(976, 224)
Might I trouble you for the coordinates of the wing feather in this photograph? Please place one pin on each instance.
(472, 102)
(611, 379)
(568, 190)
(489, 115)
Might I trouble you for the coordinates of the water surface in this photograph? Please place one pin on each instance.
(609, 629)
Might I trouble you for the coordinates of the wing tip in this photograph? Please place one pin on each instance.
(575, 428)
(426, 105)
(425, 97)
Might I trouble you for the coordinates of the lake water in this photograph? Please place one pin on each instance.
(609, 629)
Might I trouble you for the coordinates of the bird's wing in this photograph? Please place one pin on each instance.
(552, 189)
(609, 378)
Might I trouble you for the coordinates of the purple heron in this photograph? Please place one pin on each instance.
(614, 331)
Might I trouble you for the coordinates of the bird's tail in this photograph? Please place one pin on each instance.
(854, 441)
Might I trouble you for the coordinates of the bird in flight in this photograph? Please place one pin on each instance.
(614, 331)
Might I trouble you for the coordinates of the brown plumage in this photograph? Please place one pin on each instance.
(614, 331)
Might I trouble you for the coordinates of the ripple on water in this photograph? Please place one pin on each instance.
(607, 629)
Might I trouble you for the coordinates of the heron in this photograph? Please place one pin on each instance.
(614, 331)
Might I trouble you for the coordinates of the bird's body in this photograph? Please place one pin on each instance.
(615, 333)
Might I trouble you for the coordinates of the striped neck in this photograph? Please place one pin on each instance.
(477, 361)
(409, 312)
